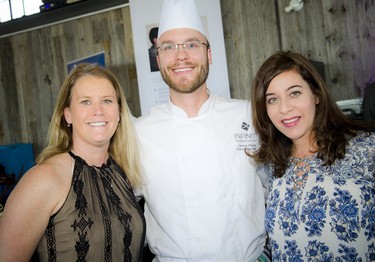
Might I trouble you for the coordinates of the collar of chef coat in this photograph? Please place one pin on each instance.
(180, 113)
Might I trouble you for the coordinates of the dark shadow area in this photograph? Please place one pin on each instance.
(147, 254)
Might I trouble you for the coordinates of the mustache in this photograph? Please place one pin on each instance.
(179, 64)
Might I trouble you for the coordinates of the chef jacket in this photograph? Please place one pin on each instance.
(203, 198)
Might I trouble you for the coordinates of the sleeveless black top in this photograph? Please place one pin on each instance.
(99, 221)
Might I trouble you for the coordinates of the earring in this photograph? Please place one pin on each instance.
(68, 125)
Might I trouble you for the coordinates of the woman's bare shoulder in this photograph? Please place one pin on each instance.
(51, 171)
(49, 181)
(39, 194)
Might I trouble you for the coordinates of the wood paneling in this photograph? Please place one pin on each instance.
(250, 33)
(34, 66)
(339, 33)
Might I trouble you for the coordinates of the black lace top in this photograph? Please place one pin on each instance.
(99, 221)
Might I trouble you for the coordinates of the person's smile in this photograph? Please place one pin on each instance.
(98, 124)
(290, 122)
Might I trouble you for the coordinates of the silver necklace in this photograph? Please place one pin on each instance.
(108, 176)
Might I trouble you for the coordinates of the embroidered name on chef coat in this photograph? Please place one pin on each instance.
(246, 139)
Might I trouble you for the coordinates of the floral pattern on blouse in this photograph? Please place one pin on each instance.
(332, 216)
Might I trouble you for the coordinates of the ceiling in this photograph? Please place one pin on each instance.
(52, 16)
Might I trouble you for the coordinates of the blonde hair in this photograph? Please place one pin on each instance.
(123, 148)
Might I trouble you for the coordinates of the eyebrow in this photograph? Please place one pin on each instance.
(291, 87)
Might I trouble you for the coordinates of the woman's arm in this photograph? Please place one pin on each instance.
(27, 212)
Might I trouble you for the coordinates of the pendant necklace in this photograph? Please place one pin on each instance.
(108, 176)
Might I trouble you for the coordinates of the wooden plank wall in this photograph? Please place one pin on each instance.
(339, 33)
(35, 67)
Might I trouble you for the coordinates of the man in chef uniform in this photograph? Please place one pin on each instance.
(203, 198)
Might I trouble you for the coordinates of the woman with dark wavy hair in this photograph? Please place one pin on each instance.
(321, 202)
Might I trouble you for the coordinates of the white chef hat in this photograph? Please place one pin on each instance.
(179, 14)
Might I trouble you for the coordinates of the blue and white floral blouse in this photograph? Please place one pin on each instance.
(329, 214)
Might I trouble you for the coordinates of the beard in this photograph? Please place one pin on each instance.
(184, 86)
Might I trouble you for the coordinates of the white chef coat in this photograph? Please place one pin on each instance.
(204, 201)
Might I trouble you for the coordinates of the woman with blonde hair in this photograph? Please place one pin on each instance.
(77, 203)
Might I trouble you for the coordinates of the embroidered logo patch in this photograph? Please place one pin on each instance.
(245, 126)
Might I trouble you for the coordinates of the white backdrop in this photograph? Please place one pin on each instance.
(145, 14)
